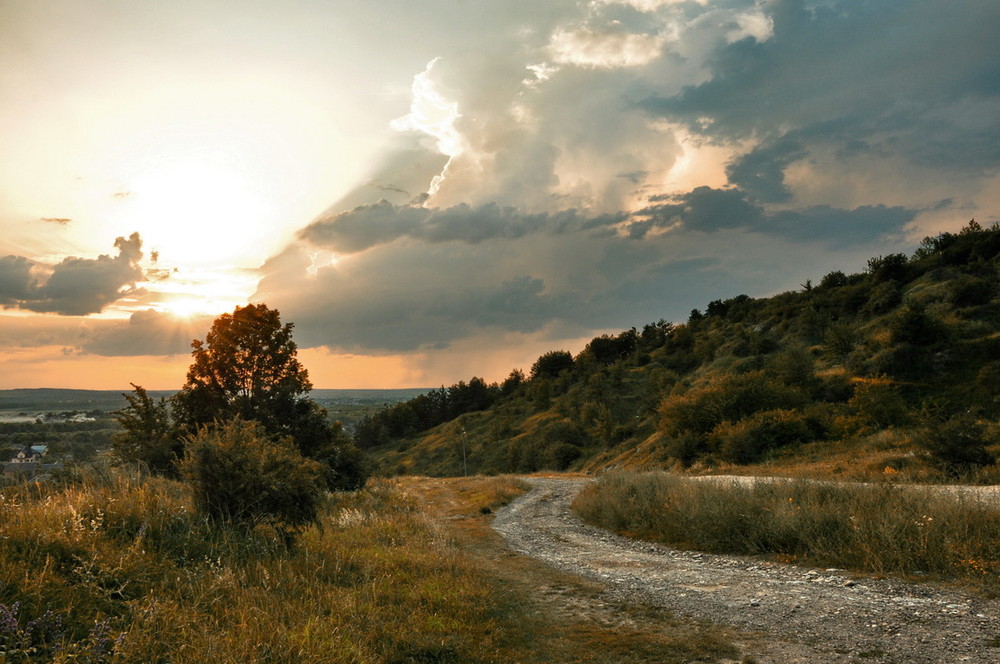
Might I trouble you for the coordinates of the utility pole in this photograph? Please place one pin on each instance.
(465, 465)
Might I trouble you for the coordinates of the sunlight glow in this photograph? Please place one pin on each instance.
(200, 210)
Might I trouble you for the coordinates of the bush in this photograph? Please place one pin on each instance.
(969, 291)
(240, 476)
(914, 326)
(751, 438)
(731, 398)
(957, 444)
(878, 404)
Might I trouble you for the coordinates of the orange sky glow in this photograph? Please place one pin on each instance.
(434, 191)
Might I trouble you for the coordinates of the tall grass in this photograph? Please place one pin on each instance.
(878, 528)
(122, 569)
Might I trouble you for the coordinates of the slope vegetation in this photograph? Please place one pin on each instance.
(893, 370)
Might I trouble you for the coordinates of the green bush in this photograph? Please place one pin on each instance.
(751, 438)
(957, 444)
(731, 398)
(878, 404)
(240, 476)
(969, 291)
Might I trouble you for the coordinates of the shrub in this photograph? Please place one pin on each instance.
(751, 438)
(913, 325)
(561, 455)
(730, 398)
(878, 404)
(240, 476)
(957, 444)
(969, 291)
(884, 298)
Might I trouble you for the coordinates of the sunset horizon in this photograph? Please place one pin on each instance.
(445, 191)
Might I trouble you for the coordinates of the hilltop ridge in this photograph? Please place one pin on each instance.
(893, 369)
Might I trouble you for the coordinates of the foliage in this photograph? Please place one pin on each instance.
(957, 443)
(147, 434)
(122, 569)
(240, 475)
(878, 404)
(849, 359)
(246, 367)
(729, 399)
(749, 439)
(552, 364)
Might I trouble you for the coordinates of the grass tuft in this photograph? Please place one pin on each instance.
(880, 528)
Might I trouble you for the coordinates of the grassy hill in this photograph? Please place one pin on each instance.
(893, 370)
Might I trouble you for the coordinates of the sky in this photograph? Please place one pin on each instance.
(438, 190)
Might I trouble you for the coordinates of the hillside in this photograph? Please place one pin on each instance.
(896, 369)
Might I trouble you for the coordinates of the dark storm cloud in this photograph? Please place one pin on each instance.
(761, 172)
(709, 210)
(73, 287)
(837, 125)
(372, 225)
(917, 79)
(705, 209)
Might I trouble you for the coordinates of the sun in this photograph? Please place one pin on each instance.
(186, 307)
(201, 210)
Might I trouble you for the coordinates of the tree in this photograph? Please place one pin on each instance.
(147, 436)
(551, 364)
(248, 368)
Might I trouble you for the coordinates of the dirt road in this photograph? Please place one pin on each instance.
(784, 613)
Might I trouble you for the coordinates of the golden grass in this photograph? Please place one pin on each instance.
(121, 569)
(881, 528)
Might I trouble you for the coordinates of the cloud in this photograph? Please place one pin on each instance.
(445, 277)
(640, 158)
(15, 280)
(869, 77)
(73, 287)
(761, 172)
(710, 210)
(147, 333)
(372, 225)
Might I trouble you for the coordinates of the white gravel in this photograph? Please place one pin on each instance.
(783, 613)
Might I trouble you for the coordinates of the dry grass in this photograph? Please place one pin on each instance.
(562, 617)
(121, 569)
(882, 528)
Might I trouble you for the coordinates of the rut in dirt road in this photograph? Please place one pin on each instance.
(798, 614)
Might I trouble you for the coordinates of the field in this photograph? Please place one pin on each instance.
(119, 568)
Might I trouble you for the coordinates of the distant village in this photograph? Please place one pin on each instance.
(29, 463)
(33, 462)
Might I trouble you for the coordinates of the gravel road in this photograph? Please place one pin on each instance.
(781, 613)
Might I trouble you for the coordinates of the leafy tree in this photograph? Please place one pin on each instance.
(247, 368)
(512, 382)
(242, 476)
(148, 436)
(551, 364)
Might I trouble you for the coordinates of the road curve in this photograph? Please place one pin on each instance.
(785, 613)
